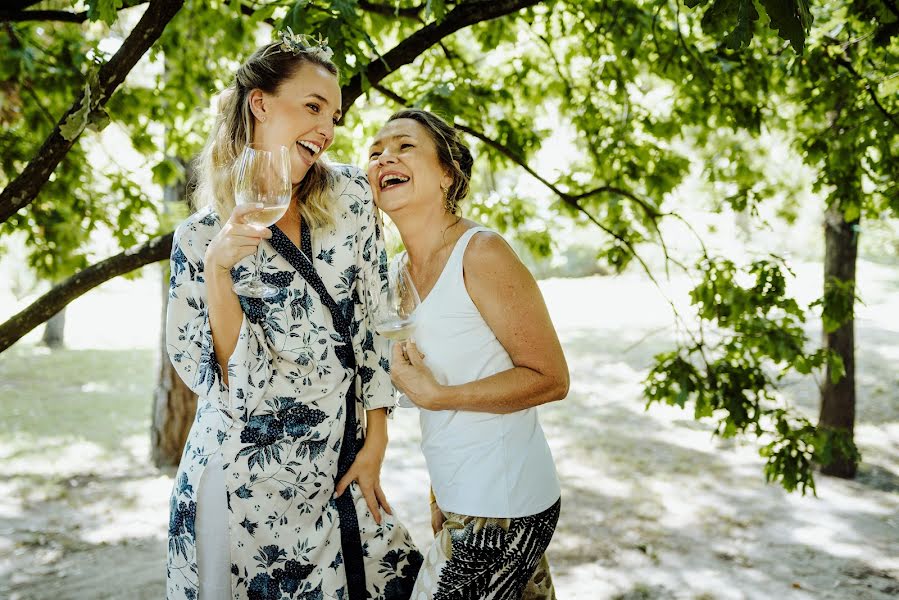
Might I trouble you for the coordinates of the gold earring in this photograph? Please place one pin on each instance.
(262, 119)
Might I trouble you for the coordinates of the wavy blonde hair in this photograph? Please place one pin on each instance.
(266, 69)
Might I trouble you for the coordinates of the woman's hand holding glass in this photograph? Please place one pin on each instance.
(413, 378)
(235, 241)
(395, 319)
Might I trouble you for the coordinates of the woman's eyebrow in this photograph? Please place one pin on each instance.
(380, 141)
(324, 101)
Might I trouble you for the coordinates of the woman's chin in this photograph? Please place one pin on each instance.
(298, 171)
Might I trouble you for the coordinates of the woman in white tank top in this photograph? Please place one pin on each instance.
(484, 355)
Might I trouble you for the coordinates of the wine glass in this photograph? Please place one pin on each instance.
(395, 319)
(263, 177)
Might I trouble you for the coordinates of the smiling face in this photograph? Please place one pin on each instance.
(404, 170)
(301, 115)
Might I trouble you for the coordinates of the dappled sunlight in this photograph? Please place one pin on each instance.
(66, 457)
(143, 501)
(69, 457)
(654, 505)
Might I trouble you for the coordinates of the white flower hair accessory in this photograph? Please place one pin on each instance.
(297, 43)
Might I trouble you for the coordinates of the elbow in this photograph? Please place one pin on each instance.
(565, 386)
(561, 385)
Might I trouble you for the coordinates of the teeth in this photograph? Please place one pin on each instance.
(391, 179)
(314, 148)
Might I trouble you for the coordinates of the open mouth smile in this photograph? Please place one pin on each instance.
(310, 148)
(391, 180)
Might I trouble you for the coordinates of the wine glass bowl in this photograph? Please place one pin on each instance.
(262, 177)
(396, 319)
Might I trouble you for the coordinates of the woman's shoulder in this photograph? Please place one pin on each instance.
(199, 228)
(350, 180)
(352, 191)
(487, 251)
(348, 172)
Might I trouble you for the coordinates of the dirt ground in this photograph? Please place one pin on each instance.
(653, 505)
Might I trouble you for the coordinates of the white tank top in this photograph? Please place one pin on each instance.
(481, 464)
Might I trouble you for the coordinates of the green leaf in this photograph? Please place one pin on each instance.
(791, 19)
(851, 212)
(97, 120)
(104, 10)
(81, 118)
(741, 34)
(75, 123)
(435, 8)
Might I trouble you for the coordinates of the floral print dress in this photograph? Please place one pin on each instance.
(307, 365)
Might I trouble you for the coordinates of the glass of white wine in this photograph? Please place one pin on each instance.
(395, 319)
(263, 177)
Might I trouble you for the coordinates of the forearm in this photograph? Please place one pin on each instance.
(225, 316)
(509, 391)
(376, 430)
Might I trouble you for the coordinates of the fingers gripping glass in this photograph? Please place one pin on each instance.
(263, 177)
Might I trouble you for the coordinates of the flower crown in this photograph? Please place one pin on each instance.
(296, 43)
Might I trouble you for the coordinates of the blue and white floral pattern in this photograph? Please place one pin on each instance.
(279, 424)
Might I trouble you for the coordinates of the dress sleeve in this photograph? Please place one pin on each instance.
(189, 336)
(372, 349)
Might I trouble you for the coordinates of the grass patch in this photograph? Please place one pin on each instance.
(51, 399)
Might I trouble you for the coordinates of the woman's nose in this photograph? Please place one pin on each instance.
(326, 128)
(386, 158)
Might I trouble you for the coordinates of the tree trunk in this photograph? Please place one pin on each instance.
(54, 332)
(174, 405)
(838, 399)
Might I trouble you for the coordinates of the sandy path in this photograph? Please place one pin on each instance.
(653, 506)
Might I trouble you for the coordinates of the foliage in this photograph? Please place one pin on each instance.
(635, 84)
(733, 379)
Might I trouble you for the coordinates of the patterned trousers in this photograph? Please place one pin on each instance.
(477, 558)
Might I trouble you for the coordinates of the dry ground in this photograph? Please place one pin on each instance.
(653, 505)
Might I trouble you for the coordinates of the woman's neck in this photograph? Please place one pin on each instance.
(425, 234)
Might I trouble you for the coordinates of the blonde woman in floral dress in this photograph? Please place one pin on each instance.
(277, 494)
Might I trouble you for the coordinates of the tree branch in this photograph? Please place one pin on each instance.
(411, 12)
(859, 77)
(573, 200)
(64, 16)
(14, 15)
(249, 11)
(409, 49)
(22, 190)
(85, 280)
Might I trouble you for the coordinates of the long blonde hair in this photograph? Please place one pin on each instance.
(266, 70)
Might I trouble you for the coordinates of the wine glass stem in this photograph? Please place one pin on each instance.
(256, 277)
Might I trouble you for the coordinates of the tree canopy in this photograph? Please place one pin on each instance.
(630, 82)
